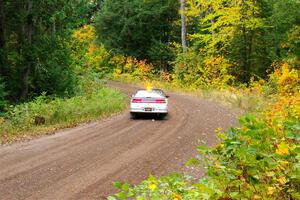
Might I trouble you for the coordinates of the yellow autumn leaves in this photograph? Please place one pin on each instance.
(85, 34)
(152, 187)
(286, 78)
(284, 148)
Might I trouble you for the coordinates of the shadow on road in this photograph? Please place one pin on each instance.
(149, 117)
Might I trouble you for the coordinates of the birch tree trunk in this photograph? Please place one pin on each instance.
(183, 26)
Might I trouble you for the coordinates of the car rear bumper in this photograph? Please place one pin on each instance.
(142, 110)
(161, 109)
(148, 108)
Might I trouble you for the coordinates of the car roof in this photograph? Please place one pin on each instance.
(149, 93)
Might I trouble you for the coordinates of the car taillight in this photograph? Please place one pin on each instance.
(136, 100)
(160, 101)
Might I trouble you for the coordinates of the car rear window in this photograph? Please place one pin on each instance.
(159, 91)
(145, 93)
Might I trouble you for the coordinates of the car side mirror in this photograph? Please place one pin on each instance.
(167, 96)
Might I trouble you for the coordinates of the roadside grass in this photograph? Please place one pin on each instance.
(44, 115)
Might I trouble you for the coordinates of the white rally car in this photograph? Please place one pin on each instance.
(153, 101)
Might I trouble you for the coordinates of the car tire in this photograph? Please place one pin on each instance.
(162, 116)
(133, 115)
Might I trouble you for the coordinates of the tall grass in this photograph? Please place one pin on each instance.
(45, 114)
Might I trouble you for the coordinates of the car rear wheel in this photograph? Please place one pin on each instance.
(133, 115)
(163, 115)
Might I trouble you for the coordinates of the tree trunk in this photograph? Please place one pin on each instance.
(2, 39)
(29, 33)
(212, 21)
(2, 28)
(183, 26)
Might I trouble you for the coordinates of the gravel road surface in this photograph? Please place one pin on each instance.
(83, 162)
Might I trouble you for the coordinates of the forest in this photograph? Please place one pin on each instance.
(55, 53)
(228, 42)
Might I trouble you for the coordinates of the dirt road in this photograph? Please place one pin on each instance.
(82, 163)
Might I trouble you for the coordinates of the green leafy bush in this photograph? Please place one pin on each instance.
(45, 113)
(198, 71)
(259, 160)
(54, 73)
(2, 95)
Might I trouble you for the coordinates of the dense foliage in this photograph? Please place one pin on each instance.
(49, 73)
(246, 36)
(142, 29)
(229, 42)
(34, 53)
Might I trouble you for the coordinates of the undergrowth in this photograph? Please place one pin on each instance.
(46, 114)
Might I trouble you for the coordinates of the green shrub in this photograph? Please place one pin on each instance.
(54, 73)
(2, 95)
(45, 113)
(259, 160)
